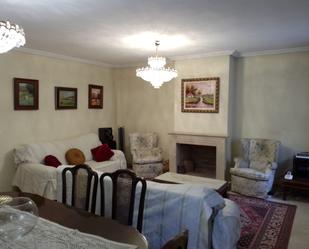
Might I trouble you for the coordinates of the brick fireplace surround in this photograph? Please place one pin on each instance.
(220, 142)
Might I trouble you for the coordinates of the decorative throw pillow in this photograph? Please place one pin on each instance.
(75, 156)
(51, 160)
(102, 153)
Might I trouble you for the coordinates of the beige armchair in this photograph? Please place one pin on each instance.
(146, 156)
(254, 174)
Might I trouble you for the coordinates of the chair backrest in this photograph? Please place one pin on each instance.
(82, 179)
(124, 184)
(143, 140)
(178, 242)
(260, 149)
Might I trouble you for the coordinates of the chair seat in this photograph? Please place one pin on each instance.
(147, 156)
(148, 171)
(250, 174)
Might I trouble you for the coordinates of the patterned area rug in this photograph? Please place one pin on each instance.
(264, 224)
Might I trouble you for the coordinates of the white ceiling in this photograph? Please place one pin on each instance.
(102, 30)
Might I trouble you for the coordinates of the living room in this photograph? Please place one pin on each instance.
(264, 90)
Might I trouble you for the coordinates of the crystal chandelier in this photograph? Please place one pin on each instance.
(11, 35)
(156, 73)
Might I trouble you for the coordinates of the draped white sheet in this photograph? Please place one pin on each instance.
(171, 208)
(33, 176)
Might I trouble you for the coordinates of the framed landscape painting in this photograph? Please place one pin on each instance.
(26, 94)
(95, 97)
(65, 98)
(200, 95)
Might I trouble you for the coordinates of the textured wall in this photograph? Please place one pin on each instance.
(18, 127)
(206, 123)
(271, 96)
(141, 108)
(272, 101)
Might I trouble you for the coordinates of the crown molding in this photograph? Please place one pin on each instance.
(274, 51)
(204, 55)
(64, 57)
(233, 53)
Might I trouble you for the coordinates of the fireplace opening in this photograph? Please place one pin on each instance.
(197, 160)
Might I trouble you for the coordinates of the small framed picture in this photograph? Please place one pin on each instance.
(26, 94)
(95, 97)
(200, 95)
(65, 98)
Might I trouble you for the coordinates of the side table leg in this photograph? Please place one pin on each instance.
(284, 193)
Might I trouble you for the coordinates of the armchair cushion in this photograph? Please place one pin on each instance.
(241, 163)
(251, 173)
(142, 156)
(261, 166)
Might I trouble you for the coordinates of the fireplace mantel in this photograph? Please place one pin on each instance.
(197, 134)
(219, 141)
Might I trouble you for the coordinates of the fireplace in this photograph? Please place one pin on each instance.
(198, 154)
(198, 160)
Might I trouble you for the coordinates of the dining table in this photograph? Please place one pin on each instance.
(84, 221)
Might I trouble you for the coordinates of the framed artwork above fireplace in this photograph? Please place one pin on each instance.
(200, 95)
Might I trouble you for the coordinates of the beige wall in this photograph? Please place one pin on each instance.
(18, 127)
(206, 123)
(141, 108)
(262, 96)
(272, 101)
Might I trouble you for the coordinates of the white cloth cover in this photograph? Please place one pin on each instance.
(36, 152)
(171, 208)
(50, 235)
(226, 227)
(34, 177)
(37, 179)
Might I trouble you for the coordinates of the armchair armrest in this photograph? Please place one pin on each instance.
(36, 178)
(274, 165)
(240, 163)
(147, 155)
(119, 156)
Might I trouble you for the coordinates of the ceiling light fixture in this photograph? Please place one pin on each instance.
(11, 36)
(156, 73)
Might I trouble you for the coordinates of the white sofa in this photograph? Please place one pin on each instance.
(33, 176)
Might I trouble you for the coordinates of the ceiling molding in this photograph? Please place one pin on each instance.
(64, 57)
(233, 53)
(204, 55)
(274, 51)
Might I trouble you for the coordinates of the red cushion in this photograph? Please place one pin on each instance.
(52, 161)
(102, 153)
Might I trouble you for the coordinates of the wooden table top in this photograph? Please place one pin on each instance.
(296, 181)
(85, 222)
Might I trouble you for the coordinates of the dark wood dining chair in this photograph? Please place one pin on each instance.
(178, 242)
(124, 184)
(82, 177)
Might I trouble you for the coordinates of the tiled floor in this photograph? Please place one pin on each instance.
(300, 232)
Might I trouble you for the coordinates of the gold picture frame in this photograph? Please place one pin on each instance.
(200, 95)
